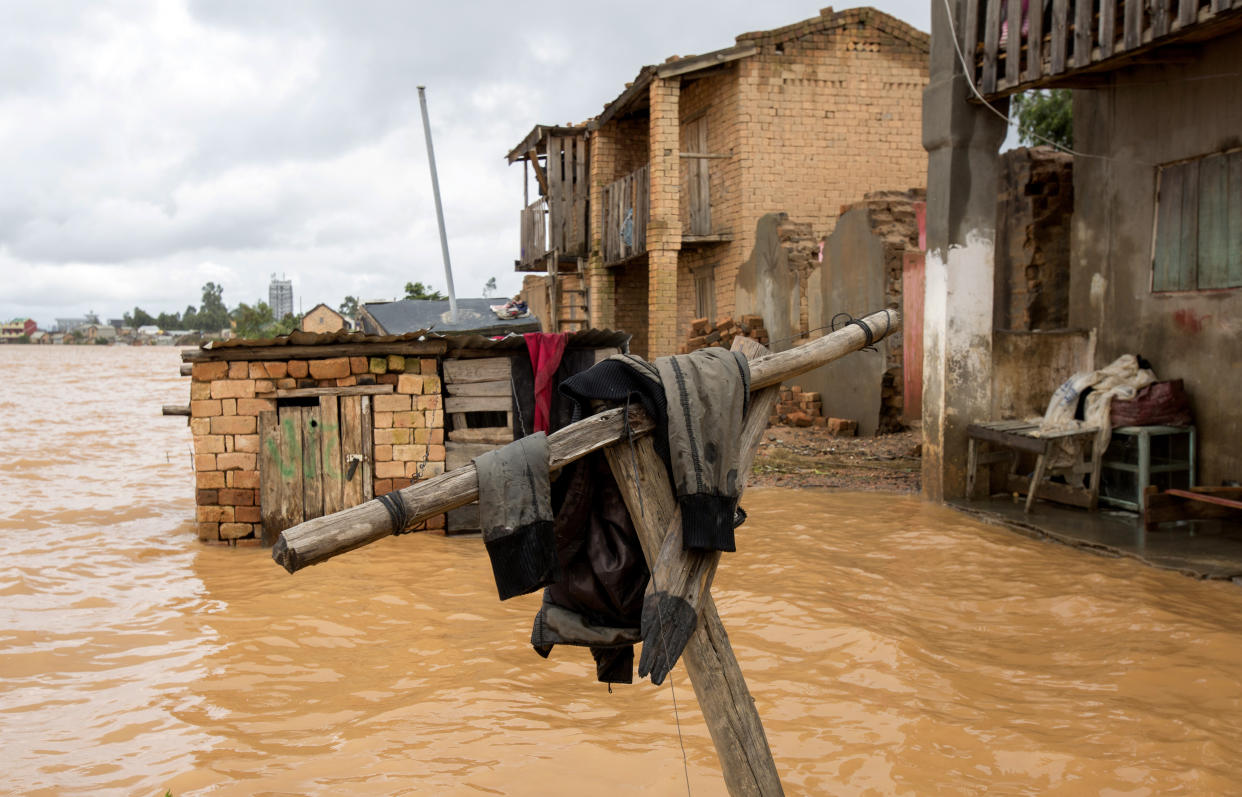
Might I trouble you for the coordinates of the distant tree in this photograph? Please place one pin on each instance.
(417, 290)
(257, 321)
(1048, 114)
(489, 288)
(213, 315)
(349, 306)
(249, 321)
(92, 317)
(189, 318)
(168, 321)
(138, 318)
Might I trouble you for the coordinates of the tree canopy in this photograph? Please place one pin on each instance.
(417, 290)
(1047, 114)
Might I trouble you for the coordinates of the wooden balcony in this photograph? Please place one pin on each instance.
(534, 236)
(1015, 45)
(626, 210)
(557, 222)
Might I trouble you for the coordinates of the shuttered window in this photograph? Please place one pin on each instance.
(1198, 240)
(705, 293)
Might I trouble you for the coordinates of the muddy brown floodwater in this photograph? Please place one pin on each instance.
(891, 646)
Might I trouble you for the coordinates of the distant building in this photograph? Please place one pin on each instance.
(70, 324)
(322, 318)
(12, 330)
(280, 297)
(148, 330)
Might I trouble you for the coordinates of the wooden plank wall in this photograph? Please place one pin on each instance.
(568, 194)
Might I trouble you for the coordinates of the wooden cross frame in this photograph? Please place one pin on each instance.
(732, 719)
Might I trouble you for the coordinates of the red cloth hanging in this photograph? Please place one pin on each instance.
(545, 350)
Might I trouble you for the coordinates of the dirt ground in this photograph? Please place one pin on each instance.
(810, 457)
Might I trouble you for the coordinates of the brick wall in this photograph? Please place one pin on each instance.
(631, 302)
(831, 110)
(227, 397)
(664, 224)
(1033, 215)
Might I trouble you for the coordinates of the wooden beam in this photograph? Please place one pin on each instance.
(498, 388)
(418, 348)
(307, 392)
(187, 369)
(540, 174)
(486, 369)
(322, 538)
(478, 403)
(176, 409)
(694, 63)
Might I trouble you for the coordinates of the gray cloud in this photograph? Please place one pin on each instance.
(152, 146)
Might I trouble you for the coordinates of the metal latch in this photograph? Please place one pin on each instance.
(353, 460)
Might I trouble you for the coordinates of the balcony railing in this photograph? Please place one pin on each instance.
(534, 236)
(1014, 45)
(626, 209)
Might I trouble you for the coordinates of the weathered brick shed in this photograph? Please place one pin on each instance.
(291, 428)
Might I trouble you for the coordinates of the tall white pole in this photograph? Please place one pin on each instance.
(435, 190)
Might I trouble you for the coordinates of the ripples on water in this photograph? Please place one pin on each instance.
(891, 646)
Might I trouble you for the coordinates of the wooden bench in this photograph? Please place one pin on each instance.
(1016, 437)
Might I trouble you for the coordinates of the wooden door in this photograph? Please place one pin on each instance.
(314, 460)
(698, 188)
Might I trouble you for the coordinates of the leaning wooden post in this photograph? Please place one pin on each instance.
(745, 758)
(322, 538)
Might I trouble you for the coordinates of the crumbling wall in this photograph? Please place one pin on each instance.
(861, 273)
(1034, 208)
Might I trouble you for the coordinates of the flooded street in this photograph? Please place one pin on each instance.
(891, 646)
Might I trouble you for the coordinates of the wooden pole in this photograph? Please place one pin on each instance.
(732, 719)
(322, 538)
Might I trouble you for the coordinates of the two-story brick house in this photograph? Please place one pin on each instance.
(652, 205)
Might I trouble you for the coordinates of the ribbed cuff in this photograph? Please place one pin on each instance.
(707, 521)
(524, 560)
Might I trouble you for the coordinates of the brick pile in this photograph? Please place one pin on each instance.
(227, 397)
(798, 407)
(703, 334)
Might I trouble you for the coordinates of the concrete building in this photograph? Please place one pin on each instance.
(1155, 247)
(280, 297)
(651, 209)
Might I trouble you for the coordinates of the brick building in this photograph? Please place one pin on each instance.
(288, 429)
(653, 204)
(322, 318)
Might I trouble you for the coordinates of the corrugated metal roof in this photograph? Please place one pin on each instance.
(473, 315)
(587, 338)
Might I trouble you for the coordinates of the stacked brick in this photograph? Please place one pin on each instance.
(226, 399)
(1034, 211)
(409, 424)
(798, 407)
(702, 334)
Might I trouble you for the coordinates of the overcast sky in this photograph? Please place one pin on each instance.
(148, 147)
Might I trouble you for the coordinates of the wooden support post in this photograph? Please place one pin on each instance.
(736, 730)
(681, 579)
(732, 719)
